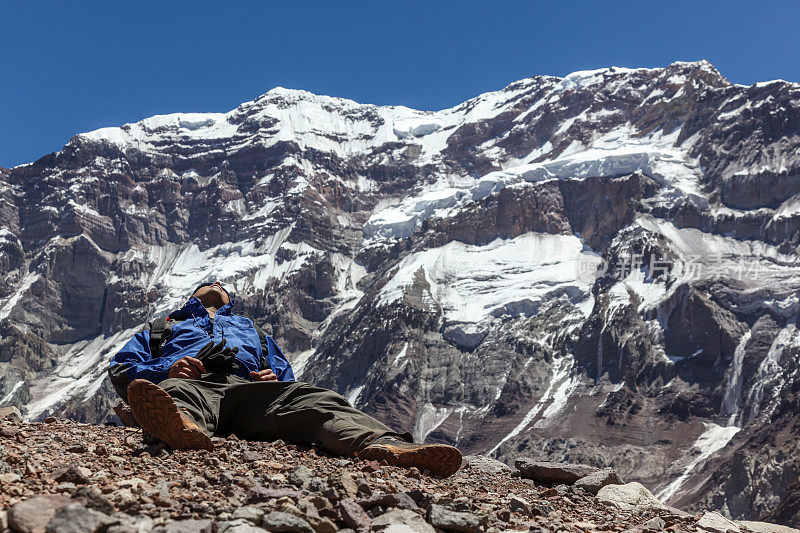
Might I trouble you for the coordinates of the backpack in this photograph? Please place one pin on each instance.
(160, 331)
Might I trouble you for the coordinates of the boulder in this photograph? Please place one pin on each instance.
(320, 524)
(657, 523)
(280, 521)
(518, 504)
(8, 478)
(444, 518)
(716, 523)
(764, 527)
(33, 515)
(134, 524)
(400, 500)
(485, 465)
(344, 484)
(597, 480)
(239, 525)
(73, 474)
(541, 508)
(629, 497)
(187, 526)
(402, 517)
(301, 476)
(11, 413)
(550, 472)
(354, 516)
(251, 513)
(76, 518)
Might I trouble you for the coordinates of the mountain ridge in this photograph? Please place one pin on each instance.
(599, 267)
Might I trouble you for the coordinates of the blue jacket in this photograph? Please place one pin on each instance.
(195, 329)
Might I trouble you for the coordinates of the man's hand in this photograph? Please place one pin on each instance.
(263, 375)
(218, 357)
(187, 368)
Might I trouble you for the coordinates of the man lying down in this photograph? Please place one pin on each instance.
(205, 371)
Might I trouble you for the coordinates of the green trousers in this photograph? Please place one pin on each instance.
(294, 411)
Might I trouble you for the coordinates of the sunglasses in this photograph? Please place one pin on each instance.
(230, 296)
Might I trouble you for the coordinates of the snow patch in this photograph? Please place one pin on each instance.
(13, 300)
(79, 368)
(514, 277)
(769, 370)
(8, 397)
(241, 265)
(788, 209)
(429, 418)
(619, 152)
(416, 126)
(733, 390)
(300, 362)
(401, 355)
(354, 395)
(713, 439)
(146, 133)
(703, 255)
(562, 382)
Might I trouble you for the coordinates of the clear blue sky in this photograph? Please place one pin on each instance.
(69, 67)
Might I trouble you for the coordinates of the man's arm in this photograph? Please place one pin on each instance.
(280, 365)
(277, 367)
(134, 361)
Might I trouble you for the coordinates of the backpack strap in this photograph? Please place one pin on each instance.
(160, 331)
(263, 338)
(264, 348)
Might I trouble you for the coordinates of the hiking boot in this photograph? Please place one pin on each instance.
(440, 459)
(159, 415)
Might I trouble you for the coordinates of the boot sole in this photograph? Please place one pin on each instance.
(440, 459)
(156, 411)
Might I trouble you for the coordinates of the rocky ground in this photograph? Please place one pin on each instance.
(62, 476)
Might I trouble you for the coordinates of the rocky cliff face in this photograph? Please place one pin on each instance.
(600, 268)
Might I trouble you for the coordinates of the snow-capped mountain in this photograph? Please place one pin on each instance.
(601, 268)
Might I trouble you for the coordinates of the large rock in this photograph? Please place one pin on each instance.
(280, 521)
(629, 497)
(33, 515)
(76, 518)
(597, 480)
(402, 517)
(259, 494)
(519, 504)
(11, 414)
(249, 512)
(485, 465)
(187, 526)
(238, 525)
(764, 527)
(354, 516)
(301, 476)
(444, 518)
(549, 472)
(716, 523)
(73, 474)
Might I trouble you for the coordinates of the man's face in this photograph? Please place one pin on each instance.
(212, 295)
